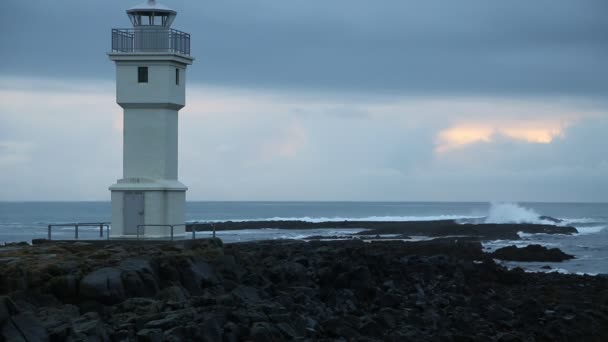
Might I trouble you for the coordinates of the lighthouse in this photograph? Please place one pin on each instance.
(151, 60)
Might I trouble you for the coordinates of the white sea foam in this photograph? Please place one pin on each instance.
(590, 230)
(496, 244)
(583, 220)
(513, 213)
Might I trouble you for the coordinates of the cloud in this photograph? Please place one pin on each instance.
(461, 135)
(403, 47)
(245, 144)
(15, 152)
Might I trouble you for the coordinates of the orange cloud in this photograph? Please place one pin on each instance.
(461, 135)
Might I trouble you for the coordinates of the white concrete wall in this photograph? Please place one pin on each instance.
(117, 218)
(160, 207)
(160, 88)
(150, 143)
(150, 140)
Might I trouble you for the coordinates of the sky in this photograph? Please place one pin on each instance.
(355, 100)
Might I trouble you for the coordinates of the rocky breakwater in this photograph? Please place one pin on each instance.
(289, 290)
(400, 229)
(531, 253)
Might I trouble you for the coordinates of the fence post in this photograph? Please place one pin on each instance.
(101, 230)
(138, 226)
(194, 232)
(213, 225)
(108, 231)
(76, 233)
(171, 232)
(49, 232)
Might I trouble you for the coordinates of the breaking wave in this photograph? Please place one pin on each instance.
(513, 213)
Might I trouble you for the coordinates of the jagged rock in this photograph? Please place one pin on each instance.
(212, 329)
(176, 294)
(246, 294)
(104, 285)
(531, 253)
(138, 277)
(360, 278)
(24, 327)
(197, 274)
(140, 306)
(264, 332)
(340, 327)
(342, 290)
(89, 327)
(58, 320)
(427, 228)
(163, 323)
(64, 286)
(7, 308)
(150, 335)
(231, 332)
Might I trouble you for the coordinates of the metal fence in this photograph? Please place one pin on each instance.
(172, 226)
(76, 226)
(150, 40)
(140, 234)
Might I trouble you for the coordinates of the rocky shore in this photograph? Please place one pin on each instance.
(531, 253)
(482, 231)
(447, 290)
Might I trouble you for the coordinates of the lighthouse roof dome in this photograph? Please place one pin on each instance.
(151, 6)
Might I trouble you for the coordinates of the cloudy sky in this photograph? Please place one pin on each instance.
(419, 100)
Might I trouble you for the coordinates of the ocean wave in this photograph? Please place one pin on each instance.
(497, 244)
(590, 230)
(584, 220)
(501, 213)
(561, 271)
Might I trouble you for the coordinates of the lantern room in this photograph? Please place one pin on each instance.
(151, 14)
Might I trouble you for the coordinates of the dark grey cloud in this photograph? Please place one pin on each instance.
(405, 47)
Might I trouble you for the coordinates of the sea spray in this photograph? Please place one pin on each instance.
(512, 213)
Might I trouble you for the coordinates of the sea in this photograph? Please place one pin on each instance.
(24, 221)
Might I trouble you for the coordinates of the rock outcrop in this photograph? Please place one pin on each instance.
(531, 253)
(289, 290)
(441, 228)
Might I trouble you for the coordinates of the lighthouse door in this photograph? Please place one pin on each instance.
(133, 212)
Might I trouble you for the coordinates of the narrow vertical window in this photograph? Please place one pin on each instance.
(142, 74)
(177, 76)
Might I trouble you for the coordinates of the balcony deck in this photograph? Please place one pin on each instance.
(150, 40)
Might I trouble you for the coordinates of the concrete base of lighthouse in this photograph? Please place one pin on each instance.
(148, 207)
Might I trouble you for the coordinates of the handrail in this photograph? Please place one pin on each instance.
(195, 224)
(81, 224)
(139, 226)
(107, 225)
(150, 40)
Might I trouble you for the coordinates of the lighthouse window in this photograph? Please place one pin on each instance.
(177, 76)
(142, 74)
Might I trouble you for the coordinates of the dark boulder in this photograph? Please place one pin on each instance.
(150, 335)
(139, 277)
(7, 308)
(265, 332)
(531, 253)
(24, 327)
(104, 285)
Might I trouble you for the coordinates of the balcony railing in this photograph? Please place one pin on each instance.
(150, 40)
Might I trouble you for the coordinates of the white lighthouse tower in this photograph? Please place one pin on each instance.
(151, 60)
